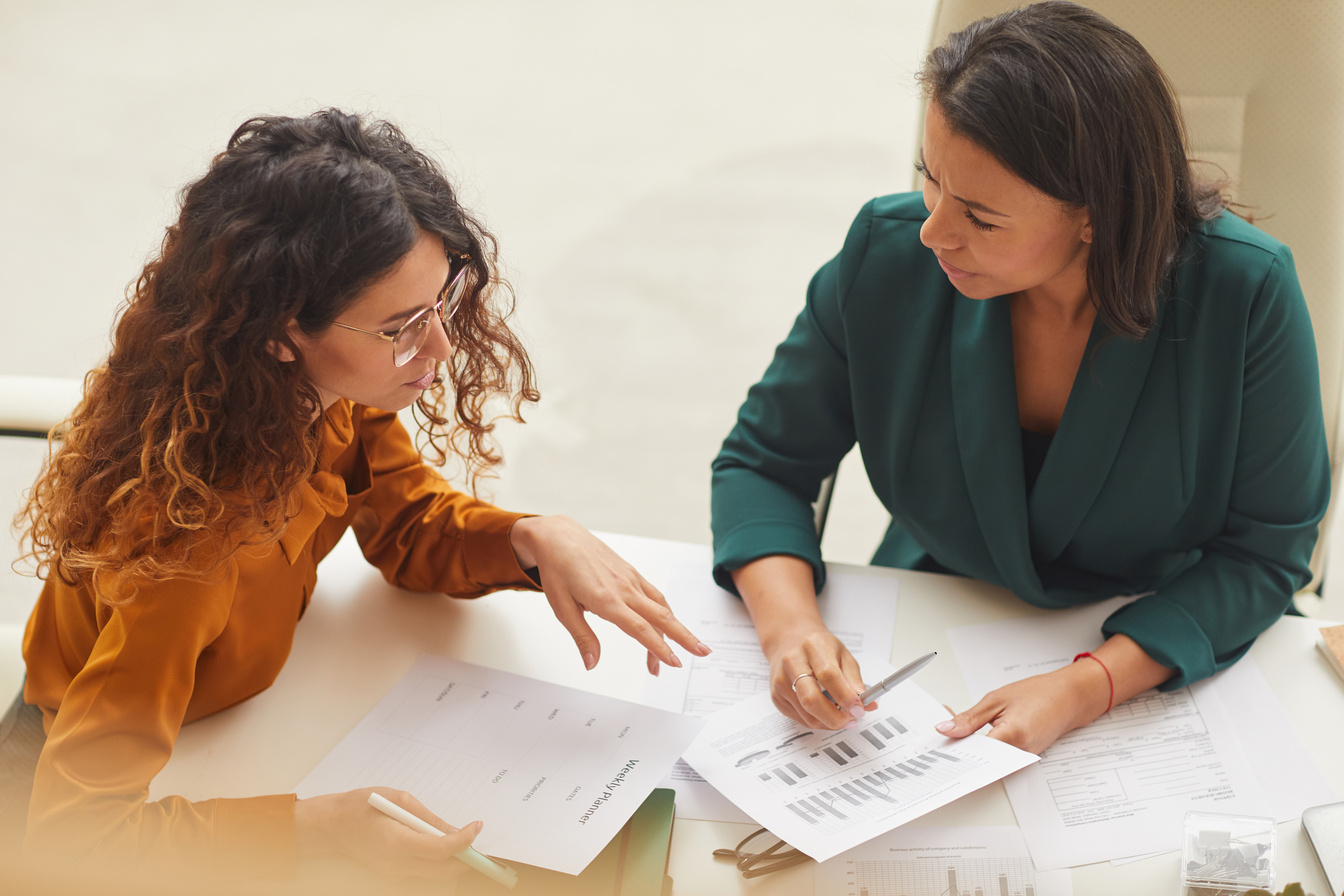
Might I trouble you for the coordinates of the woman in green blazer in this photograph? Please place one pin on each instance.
(1071, 372)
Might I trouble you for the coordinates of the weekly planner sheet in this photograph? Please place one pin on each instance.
(553, 772)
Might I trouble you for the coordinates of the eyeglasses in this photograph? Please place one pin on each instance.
(410, 337)
(756, 864)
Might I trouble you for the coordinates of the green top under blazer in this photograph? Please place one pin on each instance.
(1191, 464)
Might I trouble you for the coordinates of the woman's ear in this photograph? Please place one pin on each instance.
(280, 350)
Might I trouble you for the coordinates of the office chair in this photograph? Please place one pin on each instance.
(30, 408)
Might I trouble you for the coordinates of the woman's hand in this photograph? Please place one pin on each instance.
(1033, 713)
(805, 659)
(804, 656)
(579, 574)
(345, 824)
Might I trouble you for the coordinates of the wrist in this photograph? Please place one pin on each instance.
(523, 540)
(787, 630)
(1093, 686)
(311, 827)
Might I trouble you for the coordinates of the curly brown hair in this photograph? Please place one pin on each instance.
(191, 440)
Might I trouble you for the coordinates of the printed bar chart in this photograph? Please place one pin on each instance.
(932, 877)
(880, 790)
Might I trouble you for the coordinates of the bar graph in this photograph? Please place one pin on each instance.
(831, 756)
(833, 802)
(940, 877)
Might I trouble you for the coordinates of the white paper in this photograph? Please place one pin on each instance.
(1288, 773)
(940, 861)
(827, 791)
(553, 772)
(1121, 786)
(859, 610)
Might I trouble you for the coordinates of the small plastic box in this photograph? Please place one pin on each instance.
(1226, 854)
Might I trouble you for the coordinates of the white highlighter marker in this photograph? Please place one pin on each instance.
(500, 874)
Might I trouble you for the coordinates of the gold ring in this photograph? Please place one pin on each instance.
(800, 678)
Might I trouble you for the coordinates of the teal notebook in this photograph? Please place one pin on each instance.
(634, 863)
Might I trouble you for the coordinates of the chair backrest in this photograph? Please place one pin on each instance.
(1262, 87)
(30, 407)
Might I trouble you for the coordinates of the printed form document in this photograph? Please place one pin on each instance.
(989, 861)
(825, 792)
(1121, 785)
(860, 610)
(553, 772)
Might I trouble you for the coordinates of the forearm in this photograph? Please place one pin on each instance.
(778, 593)
(1132, 670)
(1032, 713)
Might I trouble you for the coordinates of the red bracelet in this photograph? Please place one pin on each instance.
(1110, 681)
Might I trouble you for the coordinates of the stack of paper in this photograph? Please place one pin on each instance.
(1332, 645)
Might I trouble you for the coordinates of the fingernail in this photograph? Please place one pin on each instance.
(856, 711)
(702, 648)
(675, 661)
(945, 727)
(851, 724)
(589, 661)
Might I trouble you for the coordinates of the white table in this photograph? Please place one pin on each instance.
(360, 635)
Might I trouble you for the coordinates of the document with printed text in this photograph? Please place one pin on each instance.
(828, 791)
(553, 772)
(1121, 785)
(990, 861)
(860, 610)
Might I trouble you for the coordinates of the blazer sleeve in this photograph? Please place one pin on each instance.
(117, 724)
(792, 431)
(1208, 617)
(419, 531)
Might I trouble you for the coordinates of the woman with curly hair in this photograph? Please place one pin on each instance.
(319, 274)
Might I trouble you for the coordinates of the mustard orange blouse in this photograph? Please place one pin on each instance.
(115, 684)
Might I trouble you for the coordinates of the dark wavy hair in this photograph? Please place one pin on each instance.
(191, 440)
(1075, 106)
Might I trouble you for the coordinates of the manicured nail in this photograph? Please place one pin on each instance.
(851, 724)
(675, 661)
(856, 711)
(702, 648)
(589, 661)
(946, 726)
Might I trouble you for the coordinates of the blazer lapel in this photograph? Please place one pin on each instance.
(984, 405)
(1105, 392)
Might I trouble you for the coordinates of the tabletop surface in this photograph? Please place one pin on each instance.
(360, 635)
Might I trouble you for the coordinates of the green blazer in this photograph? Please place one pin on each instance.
(1191, 464)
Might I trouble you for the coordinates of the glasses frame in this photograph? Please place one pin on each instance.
(757, 864)
(452, 294)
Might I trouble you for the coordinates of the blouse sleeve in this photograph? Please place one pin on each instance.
(116, 728)
(792, 431)
(1208, 617)
(419, 531)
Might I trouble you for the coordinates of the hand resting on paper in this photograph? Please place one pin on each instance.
(811, 648)
(579, 574)
(804, 655)
(345, 824)
(1033, 713)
